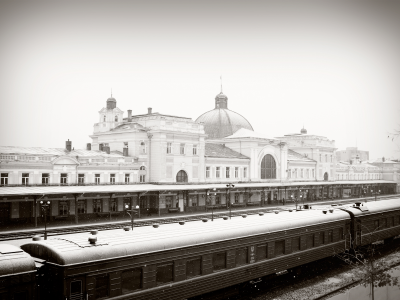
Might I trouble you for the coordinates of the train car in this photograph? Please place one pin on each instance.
(179, 261)
(374, 221)
(17, 274)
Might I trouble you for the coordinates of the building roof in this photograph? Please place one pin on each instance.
(219, 150)
(75, 248)
(246, 133)
(14, 150)
(294, 156)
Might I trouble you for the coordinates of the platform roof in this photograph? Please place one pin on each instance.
(138, 188)
(75, 248)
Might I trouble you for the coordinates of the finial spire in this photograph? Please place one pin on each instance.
(221, 83)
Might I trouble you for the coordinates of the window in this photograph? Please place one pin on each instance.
(63, 208)
(307, 173)
(310, 241)
(207, 172)
(279, 248)
(45, 178)
(101, 287)
(168, 201)
(193, 267)
(384, 223)
(182, 149)
(236, 172)
(142, 178)
(112, 178)
(97, 178)
(81, 178)
(97, 205)
(268, 167)
(241, 256)
(301, 173)
(142, 168)
(236, 197)
(321, 238)
(131, 280)
(217, 172)
(64, 178)
(81, 206)
(376, 225)
(194, 149)
(217, 199)
(4, 178)
(227, 172)
(219, 261)
(168, 148)
(289, 172)
(326, 157)
(116, 118)
(330, 236)
(341, 236)
(320, 158)
(181, 176)
(104, 118)
(25, 178)
(142, 148)
(244, 172)
(113, 205)
(313, 174)
(261, 252)
(127, 177)
(164, 273)
(295, 244)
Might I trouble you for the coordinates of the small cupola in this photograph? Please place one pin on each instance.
(111, 102)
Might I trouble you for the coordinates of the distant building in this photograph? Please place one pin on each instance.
(351, 154)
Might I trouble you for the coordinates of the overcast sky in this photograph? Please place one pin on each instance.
(333, 66)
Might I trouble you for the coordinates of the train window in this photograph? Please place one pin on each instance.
(279, 248)
(219, 261)
(193, 267)
(384, 223)
(261, 252)
(76, 289)
(164, 273)
(295, 244)
(321, 238)
(376, 224)
(330, 236)
(310, 241)
(131, 280)
(341, 236)
(392, 222)
(102, 287)
(241, 256)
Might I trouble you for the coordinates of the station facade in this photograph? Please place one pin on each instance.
(219, 147)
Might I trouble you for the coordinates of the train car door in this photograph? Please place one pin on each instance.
(4, 212)
(76, 288)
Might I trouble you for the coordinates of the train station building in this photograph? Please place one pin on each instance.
(172, 155)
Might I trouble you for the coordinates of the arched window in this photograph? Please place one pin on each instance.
(116, 118)
(104, 118)
(181, 176)
(268, 167)
(142, 168)
(326, 176)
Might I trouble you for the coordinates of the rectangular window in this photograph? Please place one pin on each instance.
(261, 252)
(219, 261)
(164, 273)
(341, 236)
(63, 208)
(97, 205)
(168, 201)
(182, 149)
(227, 172)
(236, 172)
(217, 199)
(289, 173)
(113, 205)
(194, 149)
(295, 244)
(313, 174)
(301, 173)
(193, 200)
(207, 172)
(169, 146)
(326, 157)
(279, 248)
(64, 178)
(320, 158)
(236, 197)
(142, 178)
(25, 178)
(193, 267)
(97, 178)
(81, 206)
(217, 172)
(376, 225)
(101, 287)
(383, 224)
(330, 236)
(244, 172)
(241, 256)
(45, 178)
(112, 178)
(131, 280)
(322, 238)
(81, 178)
(4, 178)
(127, 176)
(310, 241)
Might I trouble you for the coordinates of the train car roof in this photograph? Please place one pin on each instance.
(14, 260)
(375, 207)
(75, 248)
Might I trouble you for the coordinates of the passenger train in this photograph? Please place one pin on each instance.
(182, 260)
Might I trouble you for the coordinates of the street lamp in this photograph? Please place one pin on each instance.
(45, 205)
(376, 192)
(228, 187)
(131, 212)
(212, 206)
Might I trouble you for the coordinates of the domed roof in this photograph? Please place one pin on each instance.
(111, 99)
(221, 122)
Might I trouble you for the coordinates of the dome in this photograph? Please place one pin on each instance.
(111, 99)
(221, 122)
(111, 103)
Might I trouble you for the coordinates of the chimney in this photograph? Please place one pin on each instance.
(101, 147)
(106, 149)
(125, 151)
(149, 110)
(88, 146)
(129, 115)
(383, 159)
(68, 145)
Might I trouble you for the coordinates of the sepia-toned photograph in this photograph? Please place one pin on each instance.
(200, 150)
